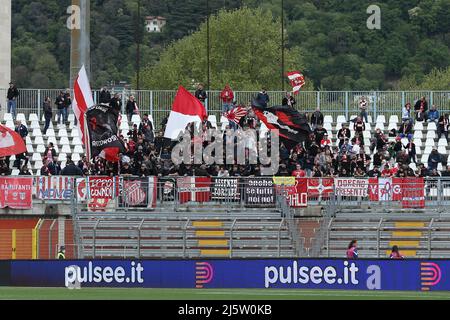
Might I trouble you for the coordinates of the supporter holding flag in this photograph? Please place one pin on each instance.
(352, 251)
(289, 100)
(395, 254)
(227, 97)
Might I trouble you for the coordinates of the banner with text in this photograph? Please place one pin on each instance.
(16, 193)
(349, 187)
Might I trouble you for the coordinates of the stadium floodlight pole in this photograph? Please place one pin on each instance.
(208, 47)
(282, 45)
(138, 47)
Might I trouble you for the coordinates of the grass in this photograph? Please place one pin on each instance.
(8, 293)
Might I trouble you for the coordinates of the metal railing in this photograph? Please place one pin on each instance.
(158, 103)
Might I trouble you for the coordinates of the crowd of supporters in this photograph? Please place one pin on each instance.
(148, 153)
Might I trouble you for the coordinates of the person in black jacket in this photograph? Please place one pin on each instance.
(48, 113)
(131, 107)
(263, 98)
(317, 119)
(61, 106)
(12, 95)
(443, 126)
(200, 94)
(116, 103)
(421, 104)
(289, 100)
(67, 104)
(104, 96)
(71, 170)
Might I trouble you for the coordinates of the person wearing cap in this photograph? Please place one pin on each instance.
(12, 95)
(61, 253)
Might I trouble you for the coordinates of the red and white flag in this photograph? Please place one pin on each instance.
(82, 101)
(320, 188)
(385, 189)
(54, 188)
(11, 143)
(186, 109)
(297, 80)
(194, 189)
(235, 115)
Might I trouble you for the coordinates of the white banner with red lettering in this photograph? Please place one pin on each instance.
(98, 191)
(349, 187)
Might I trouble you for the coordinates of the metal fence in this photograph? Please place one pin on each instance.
(159, 103)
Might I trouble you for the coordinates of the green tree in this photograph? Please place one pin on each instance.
(245, 52)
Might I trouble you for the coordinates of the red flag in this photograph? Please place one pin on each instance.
(11, 143)
(81, 103)
(186, 109)
(297, 80)
(110, 154)
(235, 115)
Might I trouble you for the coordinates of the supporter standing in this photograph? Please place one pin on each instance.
(67, 104)
(227, 97)
(421, 104)
(12, 96)
(289, 100)
(60, 105)
(443, 126)
(201, 94)
(363, 105)
(104, 96)
(317, 119)
(131, 108)
(22, 130)
(48, 113)
(263, 98)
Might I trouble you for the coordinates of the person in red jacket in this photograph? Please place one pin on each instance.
(227, 97)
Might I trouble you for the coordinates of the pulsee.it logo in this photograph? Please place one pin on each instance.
(430, 275)
(204, 273)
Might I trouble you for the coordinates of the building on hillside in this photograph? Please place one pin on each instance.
(154, 24)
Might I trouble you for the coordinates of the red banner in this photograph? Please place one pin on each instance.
(16, 193)
(194, 189)
(296, 190)
(413, 193)
(99, 190)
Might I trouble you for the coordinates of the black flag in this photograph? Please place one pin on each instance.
(293, 126)
(102, 122)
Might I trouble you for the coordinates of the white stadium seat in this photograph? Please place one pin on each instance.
(62, 157)
(40, 148)
(36, 157)
(442, 142)
(21, 117)
(35, 125)
(39, 140)
(369, 118)
(418, 150)
(431, 126)
(124, 126)
(15, 172)
(328, 119)
(213, 120)
(136, 119)
(78, 149)
(413, 166)
(341, 119)
(379, 125)
(75, 133)
(76, 157)
(418, 143)
(431, 135)
(427, 150)
(338, 126)
(37, 132)
(38, 165)
(7, 117)
(418, 126)
(77, 142)
(429, 142)
(64, 141)
(71, 117)
(30, 148)
(52, 140)
(418, 135)
(404, 141)
(381, 119)
(66, 149)
(33, 117)
(62, 133)
(50, 133)
(10, 124)
(393, 119)
(124, 118)
(424, 159)
(328, 126)
(225, 122)
(442, 150)
(28, 140)
(392, 125)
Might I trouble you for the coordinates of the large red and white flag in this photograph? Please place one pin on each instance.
(297, 80)
(235, 115)
(186, 109)
(320, 188)
(11, 143)
(385, 189)
(82, 101)
(195, 189)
